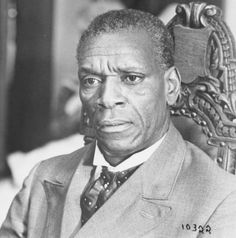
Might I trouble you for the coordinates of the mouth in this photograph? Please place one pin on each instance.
(112, 126)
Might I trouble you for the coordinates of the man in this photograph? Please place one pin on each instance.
(139, 178)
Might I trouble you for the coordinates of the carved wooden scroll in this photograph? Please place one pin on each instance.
(205, 56)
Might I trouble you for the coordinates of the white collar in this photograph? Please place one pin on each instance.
(134, 160)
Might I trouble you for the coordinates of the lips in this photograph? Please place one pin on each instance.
(112, 126)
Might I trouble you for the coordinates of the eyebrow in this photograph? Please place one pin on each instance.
(87, 70)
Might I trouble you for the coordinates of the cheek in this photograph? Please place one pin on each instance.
(147, 97)
(150, 104)
(89, 101)
(142, 92)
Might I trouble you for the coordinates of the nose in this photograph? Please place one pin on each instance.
(111, 94)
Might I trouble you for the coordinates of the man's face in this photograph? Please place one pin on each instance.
(124, 92)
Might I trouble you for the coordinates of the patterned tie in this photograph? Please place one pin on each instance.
(98, 191)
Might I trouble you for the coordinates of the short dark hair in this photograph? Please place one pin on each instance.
(130, 19)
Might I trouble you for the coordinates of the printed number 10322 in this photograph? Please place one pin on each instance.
(197, 228)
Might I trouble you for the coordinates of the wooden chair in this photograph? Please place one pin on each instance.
(205, 56)
(205, 112)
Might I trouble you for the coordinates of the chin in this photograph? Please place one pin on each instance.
(120, 147)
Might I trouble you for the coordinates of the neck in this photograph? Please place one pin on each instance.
(112, 159)
(116, 159)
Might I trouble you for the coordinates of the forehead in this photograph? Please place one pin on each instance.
(125, 47)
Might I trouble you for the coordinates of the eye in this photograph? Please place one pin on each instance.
(90, 82)
(132, 78)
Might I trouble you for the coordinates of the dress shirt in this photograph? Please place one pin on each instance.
(134, 160)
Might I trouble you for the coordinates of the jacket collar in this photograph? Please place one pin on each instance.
(65, 171)
(163, 167)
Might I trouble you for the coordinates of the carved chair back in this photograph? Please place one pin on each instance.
(205, 112)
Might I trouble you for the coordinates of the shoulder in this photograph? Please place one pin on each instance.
(204, 187)
(204, 173)
(65, 162)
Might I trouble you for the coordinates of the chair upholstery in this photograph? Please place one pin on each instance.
(205, 112)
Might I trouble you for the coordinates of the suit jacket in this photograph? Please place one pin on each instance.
(177, 192)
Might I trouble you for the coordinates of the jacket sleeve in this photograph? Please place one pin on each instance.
(15, 224)
(222, 223)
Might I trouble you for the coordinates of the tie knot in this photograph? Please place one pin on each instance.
(118, 177)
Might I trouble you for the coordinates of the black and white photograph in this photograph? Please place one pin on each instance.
(117, 119)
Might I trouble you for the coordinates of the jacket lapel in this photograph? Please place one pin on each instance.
(72, 210)
(55, 194)
(141, 203)
(63, 193)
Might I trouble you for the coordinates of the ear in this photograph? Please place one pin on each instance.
(172, 85)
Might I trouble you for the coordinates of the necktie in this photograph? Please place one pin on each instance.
(98, 191)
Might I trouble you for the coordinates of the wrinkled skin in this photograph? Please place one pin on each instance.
(125, 92)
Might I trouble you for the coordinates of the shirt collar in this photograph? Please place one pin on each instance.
(134, 160)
